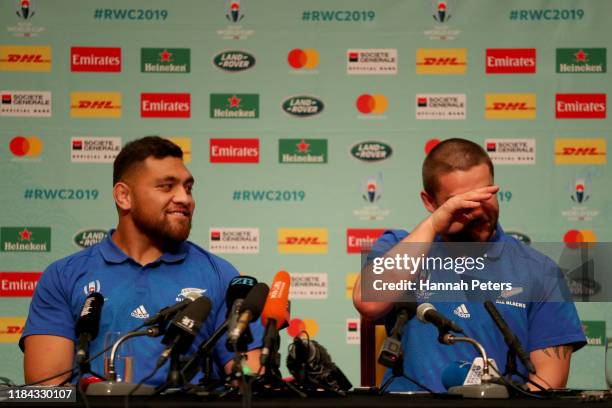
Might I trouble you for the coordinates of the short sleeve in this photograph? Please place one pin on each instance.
(384, 243)
(50, 311)
(553, 319)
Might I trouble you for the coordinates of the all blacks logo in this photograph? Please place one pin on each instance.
(87, 238)
(371, 151)
(303, 106)
(234, 61)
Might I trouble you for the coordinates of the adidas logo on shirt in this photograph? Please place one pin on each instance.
(462, 311)
(140, 312)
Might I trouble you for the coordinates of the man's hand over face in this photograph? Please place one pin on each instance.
(456, 212)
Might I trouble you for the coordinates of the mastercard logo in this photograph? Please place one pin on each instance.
(573, 238)
(297, 326)
(30, 146)
(431, 143)
(308, 58)
(372, 104)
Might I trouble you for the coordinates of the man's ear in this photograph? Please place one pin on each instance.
(122, 196)
(428, 201)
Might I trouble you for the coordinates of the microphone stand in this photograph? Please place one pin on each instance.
(486, 389)
(271, 381)
(111, 386)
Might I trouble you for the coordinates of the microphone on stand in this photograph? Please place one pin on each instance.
(88, 325)
(250, 310)
(274, 315)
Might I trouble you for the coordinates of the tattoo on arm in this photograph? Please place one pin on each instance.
(561, 352)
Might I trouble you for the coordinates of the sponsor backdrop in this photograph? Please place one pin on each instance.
(305, 125)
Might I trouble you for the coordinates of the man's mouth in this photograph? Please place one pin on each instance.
(180, 213)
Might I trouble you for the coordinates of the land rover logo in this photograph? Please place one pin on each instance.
(87, 238)
(303, 106)
(234, 61)
(371, 151)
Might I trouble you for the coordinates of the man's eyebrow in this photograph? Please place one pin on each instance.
(174, 179)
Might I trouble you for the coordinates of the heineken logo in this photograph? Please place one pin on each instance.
(234, 61)
(371, 151)
(595, 332)
(303, 106)
(87, 238)
(581, 60)
(308, 151)
(234, 106)
(165, 60)
(25, 239)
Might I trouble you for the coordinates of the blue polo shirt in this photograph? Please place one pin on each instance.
(543, 321)
(131, 294)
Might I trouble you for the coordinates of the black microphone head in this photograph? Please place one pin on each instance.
(89, 320)
(239, 287)
(255, 300)
(192, 317)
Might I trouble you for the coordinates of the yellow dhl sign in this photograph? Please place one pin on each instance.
(580, 151)
(510, 106)
(95, 104)
(302, 240)
(11, 329)
(185, 144)
(28, 58)
(441, 61)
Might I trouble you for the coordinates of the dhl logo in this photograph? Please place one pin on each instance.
(95, 105)
(510, 106)
(302, 241)
(11, 329)
(27, 58)
(580, 151)
(441, 61)
(185, 144)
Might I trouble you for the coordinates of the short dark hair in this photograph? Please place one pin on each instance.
(137, 151)
(450, 155)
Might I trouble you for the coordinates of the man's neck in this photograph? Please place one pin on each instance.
(135, 244)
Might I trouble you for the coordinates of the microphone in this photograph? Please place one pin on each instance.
(312, 367)
(169, 311)
(184, 328)
(274, 314)
(427, 313)
(391, 350)
(239, 287)
(510, 338)
(88, 325)
(250, 310)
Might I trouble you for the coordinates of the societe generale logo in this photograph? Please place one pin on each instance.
(302, 240)
(359, 240)
(580, 106)
(580, 151)
(510, 106)
(443, 61)
(510, 61)
(234, 150)
(28, 58)
(95, 104)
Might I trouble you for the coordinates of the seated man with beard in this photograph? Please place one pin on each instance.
(140, 267)
(461, 197)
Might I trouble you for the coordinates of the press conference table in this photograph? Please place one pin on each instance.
(385, 401)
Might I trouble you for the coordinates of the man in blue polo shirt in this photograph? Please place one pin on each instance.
(461, 197)
(140, 267)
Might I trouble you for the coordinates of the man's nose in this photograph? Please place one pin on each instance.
(182, 196)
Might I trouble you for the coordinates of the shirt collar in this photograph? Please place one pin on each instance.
(113, 254)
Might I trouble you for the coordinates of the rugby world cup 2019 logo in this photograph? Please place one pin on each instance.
(442, 10)
(235, 11)
(580, 189)
(25, 9)
(372, 188)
